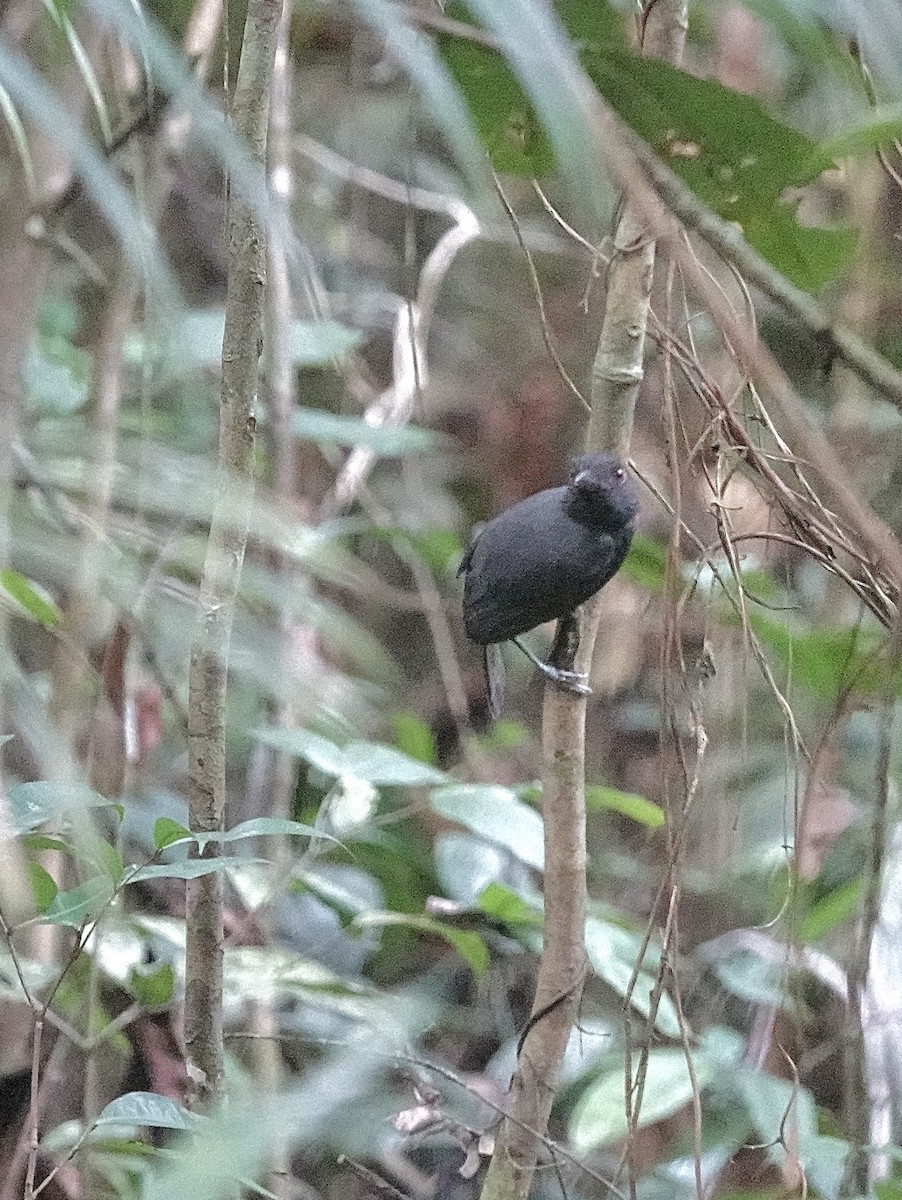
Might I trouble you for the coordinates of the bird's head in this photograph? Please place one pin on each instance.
(601, 491)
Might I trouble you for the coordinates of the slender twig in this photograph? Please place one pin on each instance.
(222, 567)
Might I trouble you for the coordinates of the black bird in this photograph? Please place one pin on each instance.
(542, 558)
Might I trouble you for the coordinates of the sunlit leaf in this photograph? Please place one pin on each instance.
(497, 814)
(613, 952)
(377, 764)
(504, 905)
(192, 868)
(600, 1113)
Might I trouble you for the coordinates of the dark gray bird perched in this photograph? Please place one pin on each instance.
(542, 558)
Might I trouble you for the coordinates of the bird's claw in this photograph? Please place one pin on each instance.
(567, 681)
(572, 681)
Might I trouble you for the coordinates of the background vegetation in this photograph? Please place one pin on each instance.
(443, 193)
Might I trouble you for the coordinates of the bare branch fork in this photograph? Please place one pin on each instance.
(207, 682)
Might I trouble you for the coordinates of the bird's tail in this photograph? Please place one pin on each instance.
(494, 679)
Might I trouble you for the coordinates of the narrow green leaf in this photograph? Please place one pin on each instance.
(192, 868)
(27, 597)
(646, 812)
(835, 908)
(263, 827)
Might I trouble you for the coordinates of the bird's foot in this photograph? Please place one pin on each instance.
(567, 681)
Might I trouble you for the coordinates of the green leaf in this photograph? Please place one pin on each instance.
(43, 886)
(98, 852)
(386, 766)
(736, 157)
(318, 343)
(613, 952)
(152, 984)
(498, 815)
(824, 660)
(147, 1108)
(195, 343)
(315, 425)
(377, 764)
(79, 904)
(468, 945)
(646, 812)
(835, 908)
(414, 738)
(167, 832)
(502, 904)
(881, 126)
(600, 1113)
(646, 563)
(263, 827)
(191, 868)
(41, 841)
(31, 804)
(28, 599)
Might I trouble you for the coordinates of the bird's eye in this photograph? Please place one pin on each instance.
(620, 473)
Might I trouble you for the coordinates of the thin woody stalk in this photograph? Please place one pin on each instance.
(616, 376)
(208, 674)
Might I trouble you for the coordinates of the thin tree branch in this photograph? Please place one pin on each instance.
(241, 347)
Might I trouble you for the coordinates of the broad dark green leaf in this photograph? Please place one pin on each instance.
(723, 144)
